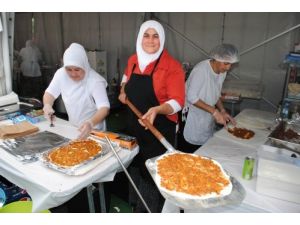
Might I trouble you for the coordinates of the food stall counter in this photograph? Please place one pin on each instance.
(49, 188)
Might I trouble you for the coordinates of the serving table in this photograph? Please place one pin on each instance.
(49, 188)
(231, 152)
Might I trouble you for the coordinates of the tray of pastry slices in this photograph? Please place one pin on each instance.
(191, 181)
(77, 157)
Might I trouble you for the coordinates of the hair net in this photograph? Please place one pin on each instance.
(143, 57)
(225, 53)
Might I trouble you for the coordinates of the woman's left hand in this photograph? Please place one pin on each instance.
(150, 115)
(85, 129)
(228, 118)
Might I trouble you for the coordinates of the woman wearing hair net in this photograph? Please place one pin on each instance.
(82, 89)
(203, 92)
(154, 83)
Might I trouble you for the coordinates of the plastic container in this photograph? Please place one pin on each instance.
(2, 198)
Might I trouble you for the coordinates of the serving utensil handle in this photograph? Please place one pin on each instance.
(154, 131)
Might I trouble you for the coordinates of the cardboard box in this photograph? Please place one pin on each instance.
(123, 140)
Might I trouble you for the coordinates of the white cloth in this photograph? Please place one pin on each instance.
(231, 155)
(49, 188)
(204, 84)
(30, 56)
(144, 58)
(81, 98)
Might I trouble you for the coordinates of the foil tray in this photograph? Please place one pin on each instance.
(292, 145)
(236, 196)
(29, 148)
(86, 165)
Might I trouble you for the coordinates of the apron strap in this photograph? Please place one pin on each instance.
(133, 68)
(156, 63)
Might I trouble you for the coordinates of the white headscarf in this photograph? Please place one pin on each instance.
(75, 55)
(144, 59)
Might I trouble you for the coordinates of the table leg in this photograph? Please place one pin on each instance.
(89, 190)
(102, 197)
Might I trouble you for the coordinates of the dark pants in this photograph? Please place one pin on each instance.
(182, 144)
(148, 190)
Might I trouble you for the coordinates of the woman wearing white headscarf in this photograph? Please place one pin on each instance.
(83, 91)
(154, 83)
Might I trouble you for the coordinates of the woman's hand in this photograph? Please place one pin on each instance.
(48, 111)
(228, 118)
(85, 129)
(219, 118)
(150, 115)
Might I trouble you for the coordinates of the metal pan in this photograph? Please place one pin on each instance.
(292, 145)
(236, 196)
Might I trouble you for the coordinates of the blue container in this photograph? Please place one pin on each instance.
(2, 197)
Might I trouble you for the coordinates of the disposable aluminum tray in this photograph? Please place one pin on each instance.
(293, 144)
(236, 196)
(29, 148)
(83, 167)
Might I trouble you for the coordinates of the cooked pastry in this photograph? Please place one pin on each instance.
(191, 175)
(241, 132)
(74, 153)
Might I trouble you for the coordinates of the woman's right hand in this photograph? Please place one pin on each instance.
(122, 97)
(217, 115)
(48, 111)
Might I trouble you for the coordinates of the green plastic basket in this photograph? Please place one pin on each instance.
(20, 207)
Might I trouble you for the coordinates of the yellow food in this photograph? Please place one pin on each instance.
(191, 174)
(74, 153)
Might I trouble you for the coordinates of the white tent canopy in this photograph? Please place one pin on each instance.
(116, 34)
(6, 26)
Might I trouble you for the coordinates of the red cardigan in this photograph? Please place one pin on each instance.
(168, 79)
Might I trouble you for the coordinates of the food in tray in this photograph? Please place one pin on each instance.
(287, 135)
(74, 153)
(241, 132)
(192, 176)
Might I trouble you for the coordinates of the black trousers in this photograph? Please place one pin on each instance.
(182, 144)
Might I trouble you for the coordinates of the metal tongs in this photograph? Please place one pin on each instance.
(127, 174)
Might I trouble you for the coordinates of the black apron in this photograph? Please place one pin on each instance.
(139, 90)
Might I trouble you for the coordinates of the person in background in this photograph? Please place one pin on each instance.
(154, 83)
(83, 91)
(30, 58)
(203, 97)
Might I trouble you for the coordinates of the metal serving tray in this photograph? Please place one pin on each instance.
(292, 145)
(236, 196)
(29, 148)
(84, 166)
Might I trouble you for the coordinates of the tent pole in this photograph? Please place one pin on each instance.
(270, 39)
